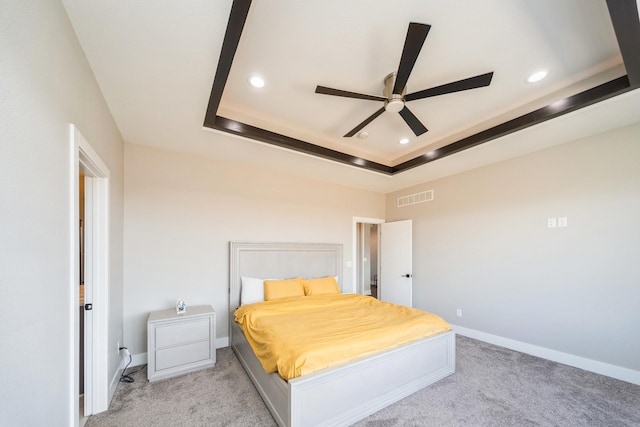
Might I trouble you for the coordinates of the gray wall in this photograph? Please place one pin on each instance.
(483, 246)
(181, 211)
(46, 84)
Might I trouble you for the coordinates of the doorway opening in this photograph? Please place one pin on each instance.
(89, 265)
(367, 256)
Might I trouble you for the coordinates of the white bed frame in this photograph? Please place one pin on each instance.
(343, 394)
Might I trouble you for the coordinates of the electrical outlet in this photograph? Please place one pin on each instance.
(562, 221)
(459, 312)
(552, 222)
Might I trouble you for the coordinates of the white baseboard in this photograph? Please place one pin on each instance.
(613, 371)
(141, 358)
(113, 384)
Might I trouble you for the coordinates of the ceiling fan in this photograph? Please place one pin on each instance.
(395, 97)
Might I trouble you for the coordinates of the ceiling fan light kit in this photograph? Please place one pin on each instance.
(395, 85)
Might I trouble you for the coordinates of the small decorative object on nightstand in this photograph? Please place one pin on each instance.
(181, 306)
(178, 343)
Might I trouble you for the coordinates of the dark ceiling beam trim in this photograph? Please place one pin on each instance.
(252, 132)
(583, 99)
(235, 26)
(626, 24)
(624, 16)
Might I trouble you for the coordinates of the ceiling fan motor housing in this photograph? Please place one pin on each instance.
(395, 101)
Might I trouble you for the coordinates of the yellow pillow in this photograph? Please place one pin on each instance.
(320, 286)
(276, 289)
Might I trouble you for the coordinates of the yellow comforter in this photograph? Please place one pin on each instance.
(298, 335)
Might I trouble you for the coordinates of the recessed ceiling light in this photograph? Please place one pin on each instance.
(404, 141)
(363, 135)
(256, 81)
(537, 76)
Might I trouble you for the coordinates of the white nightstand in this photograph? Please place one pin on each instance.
(180, 343)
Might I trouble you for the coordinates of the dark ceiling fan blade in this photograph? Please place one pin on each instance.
(457, 86)
(416, 126)
(416, 35)
(364, 123)
(337, 92)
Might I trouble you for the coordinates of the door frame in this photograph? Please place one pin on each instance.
(84, 159)
(360, 220)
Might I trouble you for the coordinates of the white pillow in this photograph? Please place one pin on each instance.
(252, 290)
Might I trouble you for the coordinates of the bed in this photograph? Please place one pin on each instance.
(345, 393)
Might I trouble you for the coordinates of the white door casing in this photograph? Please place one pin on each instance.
(396, 283)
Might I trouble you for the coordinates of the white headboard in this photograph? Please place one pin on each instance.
(274, 260)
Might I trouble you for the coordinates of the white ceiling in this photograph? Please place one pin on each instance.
(155, 62)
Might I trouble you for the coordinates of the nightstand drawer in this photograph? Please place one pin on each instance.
(183, 332)
(178, 356)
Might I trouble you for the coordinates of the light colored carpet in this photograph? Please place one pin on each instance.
(493, 386)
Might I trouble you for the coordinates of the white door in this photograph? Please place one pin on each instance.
(395, 283)
(88, 267)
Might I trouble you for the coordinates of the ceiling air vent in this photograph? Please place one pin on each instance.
(412, 199)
